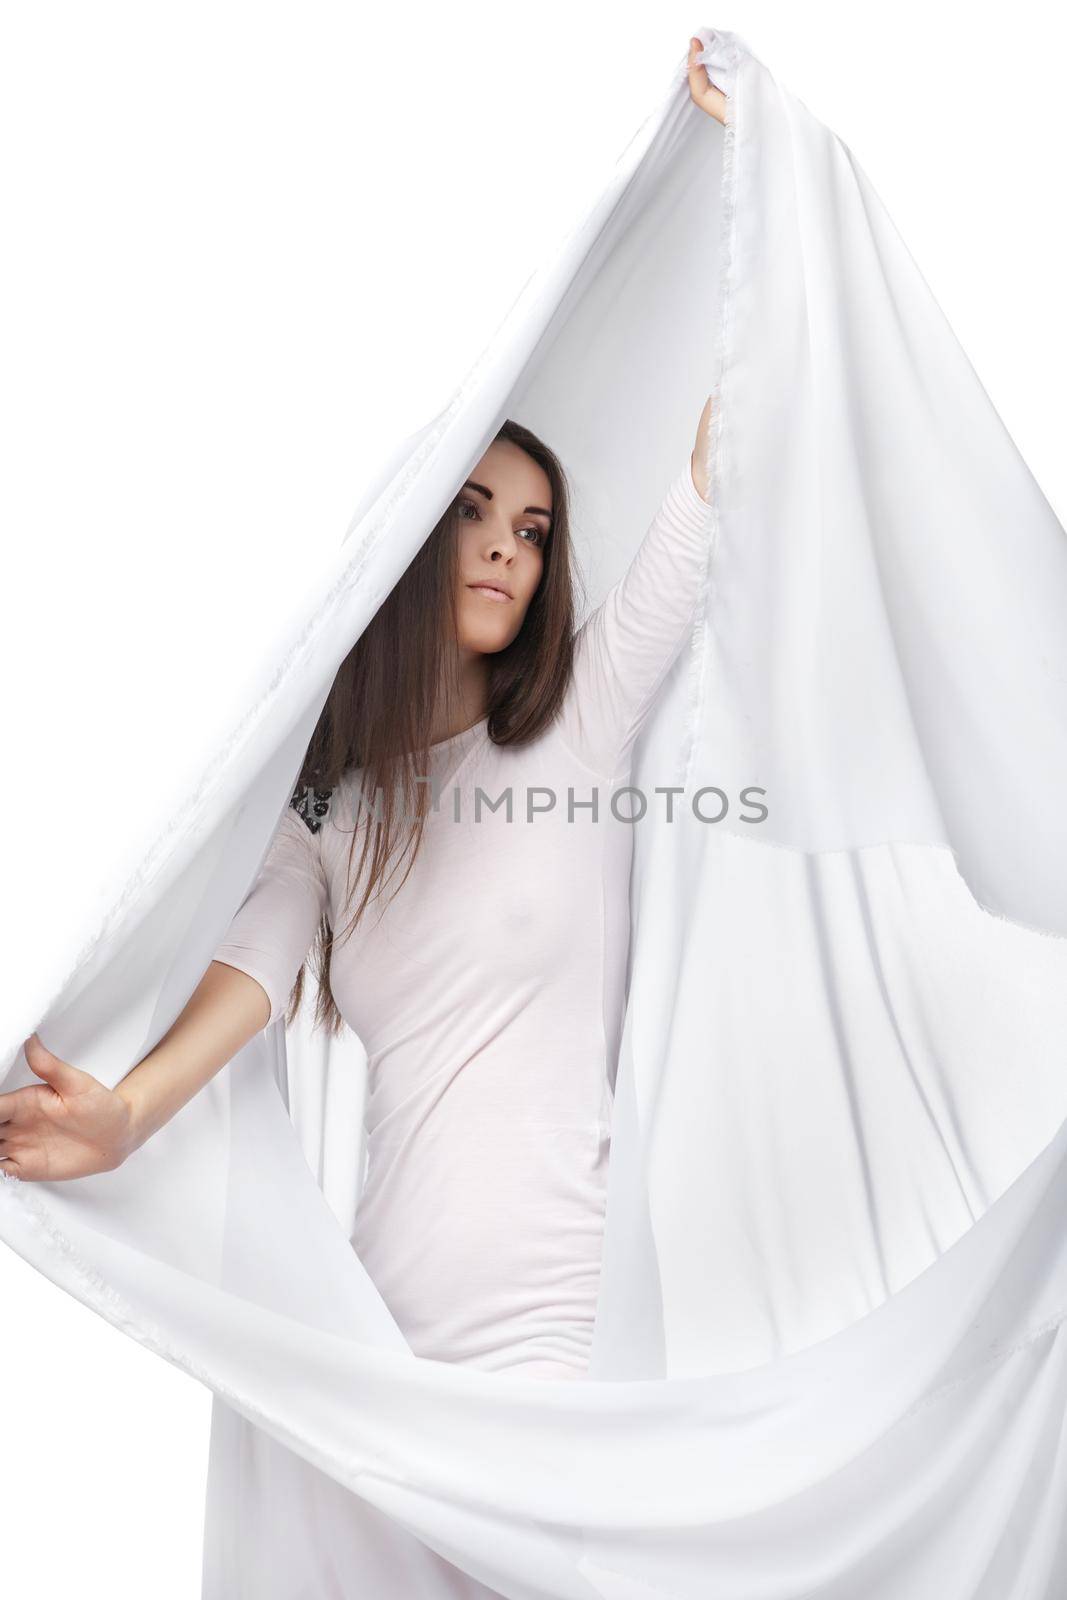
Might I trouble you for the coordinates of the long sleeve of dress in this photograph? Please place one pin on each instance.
(626, 647)
(271, 933)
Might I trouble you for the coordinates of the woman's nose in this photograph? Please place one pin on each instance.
(503, 545)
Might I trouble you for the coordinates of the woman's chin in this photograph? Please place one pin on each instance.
(484, 638)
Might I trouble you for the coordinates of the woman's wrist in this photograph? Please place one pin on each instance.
(699, 479)
(146, 1092)
(700, 453)
(130, 1091)
(224, 1011)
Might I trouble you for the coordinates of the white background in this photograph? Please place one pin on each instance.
(245, 247)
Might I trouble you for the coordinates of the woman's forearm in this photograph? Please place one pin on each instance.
(225, 1010)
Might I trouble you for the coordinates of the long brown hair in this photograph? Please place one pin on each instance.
(380, 710)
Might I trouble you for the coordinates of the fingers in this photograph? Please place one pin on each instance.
(702, 91)
(697, 73)
(699, 81)
(25, 1166)
(30, 1116)
(10, 1161)
(27, 1149)
(59, 1074)
(27, 1121)
(19, 1107)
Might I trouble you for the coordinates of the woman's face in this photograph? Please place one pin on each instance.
(505, 511)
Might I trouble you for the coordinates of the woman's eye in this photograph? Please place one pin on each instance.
(538, 536)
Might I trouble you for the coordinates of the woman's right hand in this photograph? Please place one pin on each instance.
(68, 1126)
(703, 93)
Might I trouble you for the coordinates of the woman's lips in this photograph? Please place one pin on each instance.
(490, 591)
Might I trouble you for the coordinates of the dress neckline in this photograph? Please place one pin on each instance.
(441, 744)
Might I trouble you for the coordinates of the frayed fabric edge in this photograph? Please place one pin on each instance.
(728, 193)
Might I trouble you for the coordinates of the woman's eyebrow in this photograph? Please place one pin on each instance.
(535, 510)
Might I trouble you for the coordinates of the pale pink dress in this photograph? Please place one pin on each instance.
(489, 994)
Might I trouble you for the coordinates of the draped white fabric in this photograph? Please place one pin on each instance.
(829, 1355)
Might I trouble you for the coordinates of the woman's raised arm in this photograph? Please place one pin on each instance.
(624, 650)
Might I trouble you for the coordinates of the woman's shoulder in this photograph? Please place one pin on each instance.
(326, 808)
(312, 805)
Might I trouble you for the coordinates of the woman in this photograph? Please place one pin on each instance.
(485, 978)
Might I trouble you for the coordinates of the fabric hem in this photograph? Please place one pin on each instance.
(102, 1297)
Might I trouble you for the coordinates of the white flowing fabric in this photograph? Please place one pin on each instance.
(829, 1357)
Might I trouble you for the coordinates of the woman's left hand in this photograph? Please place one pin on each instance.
(702, 91)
